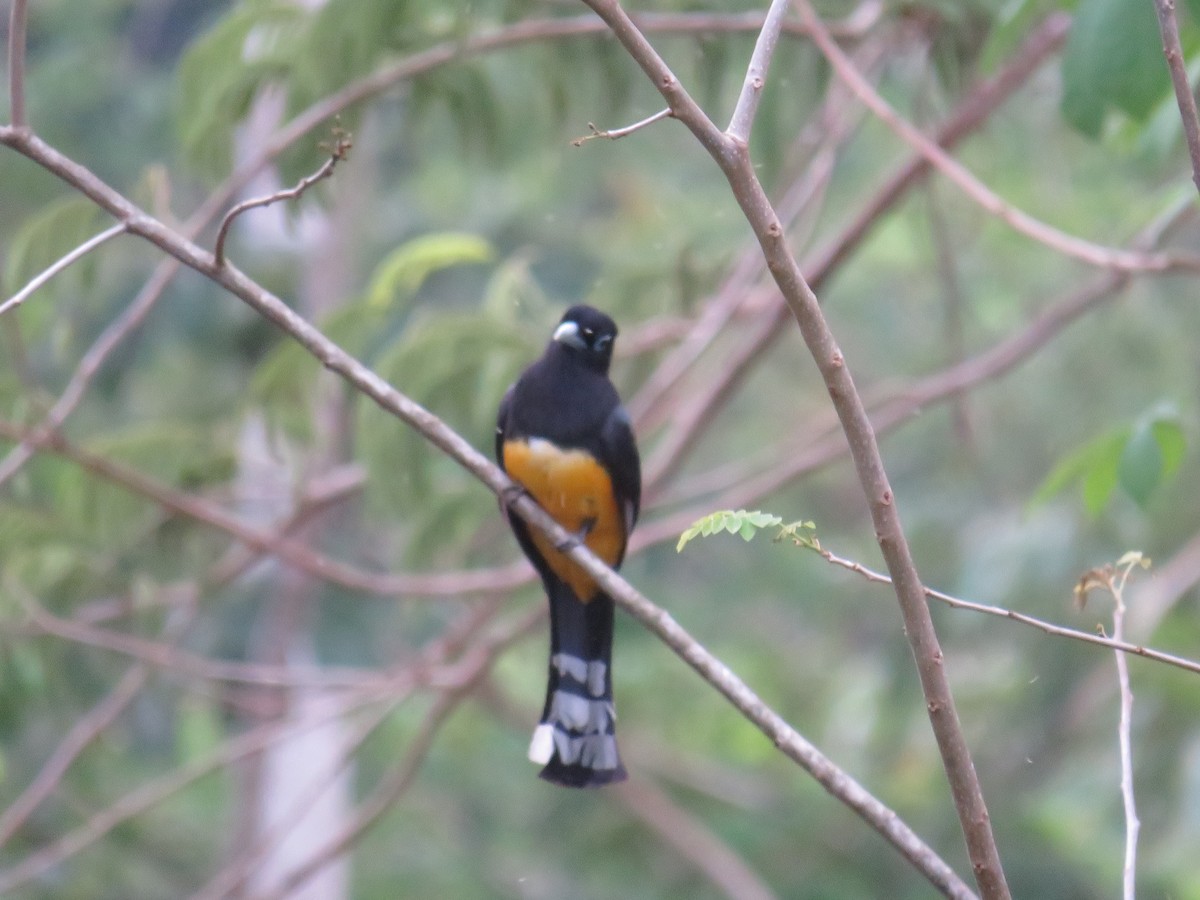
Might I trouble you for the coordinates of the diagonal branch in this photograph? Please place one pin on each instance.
(790, 742)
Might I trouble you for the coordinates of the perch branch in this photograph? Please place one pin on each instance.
(790, 742)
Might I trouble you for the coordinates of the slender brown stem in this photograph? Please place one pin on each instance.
(339, 152)
(1117, 642)
(710, 397)
(1168, 25)
(614, 134)
(59, 265)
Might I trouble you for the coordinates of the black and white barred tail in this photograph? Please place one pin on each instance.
(576, 740)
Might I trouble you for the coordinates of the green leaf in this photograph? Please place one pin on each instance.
(1095, 463)
(223, 70)
(1154, 450)
(1141, 464)
(405, 269)
(1113, 58)
(741, 522)
(1169, 435)
(1102, 477)
(198, 729)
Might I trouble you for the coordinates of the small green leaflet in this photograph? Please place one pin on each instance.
(746, 524)
(739, 522)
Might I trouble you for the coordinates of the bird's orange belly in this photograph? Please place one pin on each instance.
(576, 490)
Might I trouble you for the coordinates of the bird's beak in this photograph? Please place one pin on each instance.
(568, 333)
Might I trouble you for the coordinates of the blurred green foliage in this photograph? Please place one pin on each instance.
(463, 222)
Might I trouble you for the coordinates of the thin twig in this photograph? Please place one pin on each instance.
(82, 733)
(150, 793)
(338, 152)
(618, 133)
(756, 73)
(1125, 741)
(1116, 642)
(1168, 25)
(16, 64)
(169, 657)
(822, 444)
(74, 256)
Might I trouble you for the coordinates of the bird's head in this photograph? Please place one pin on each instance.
(589, 333)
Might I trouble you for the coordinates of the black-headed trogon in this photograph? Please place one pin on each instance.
(563, 435)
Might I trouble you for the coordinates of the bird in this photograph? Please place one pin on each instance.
(563, 436)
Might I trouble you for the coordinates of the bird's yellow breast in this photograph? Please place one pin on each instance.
(577, 491)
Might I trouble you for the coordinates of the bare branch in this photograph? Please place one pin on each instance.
(1117, 642)
(976, 190)
(16, 64)
(1168, 25)
(74, 256)
(340, 149)
(734, 161)
(693, 841)
(756, 73)
(151, 793)
(515, 34)
(618, 133)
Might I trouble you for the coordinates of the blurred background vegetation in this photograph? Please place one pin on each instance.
(441, 253)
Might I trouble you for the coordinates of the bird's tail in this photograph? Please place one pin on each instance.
(576, 740)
